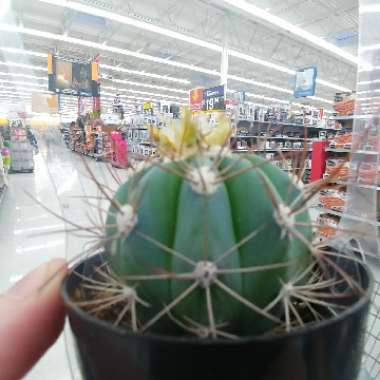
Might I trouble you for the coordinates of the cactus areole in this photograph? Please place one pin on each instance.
(209, 243)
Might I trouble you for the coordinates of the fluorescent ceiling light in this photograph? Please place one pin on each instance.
(261, 62)
(107, 94)
(323, 100)
(14, 96)
(139, 84)
(23, 76)
(362, 83)
(143, 92)
(278, 22)
(259, 84)
(23, 52)
(22, 83)
(17, 88)
(274, 100)
(371, 8)
(22, 65)
(98, 46)
(133, 22)
(332, 85)
(179, 36)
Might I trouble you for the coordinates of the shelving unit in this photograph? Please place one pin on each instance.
(358, 171)
(3, 190)
(352, 217)
(276, 136)
(91, 140)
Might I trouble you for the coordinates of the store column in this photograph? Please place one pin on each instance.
(224, 68)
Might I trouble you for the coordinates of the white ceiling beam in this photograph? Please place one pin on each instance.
(265, 17)
(132, 22)
(100, 47)
(182, 37)
(66, 38)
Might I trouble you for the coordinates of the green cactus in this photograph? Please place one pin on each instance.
(208, 241)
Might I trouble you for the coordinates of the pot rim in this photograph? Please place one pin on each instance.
(185, 340)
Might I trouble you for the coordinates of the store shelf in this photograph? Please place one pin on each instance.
(354, 184)
(351, 117)
(270, 150)
(270, 138)
(138, 156)
(273, 122)
(367, 152)
(3, 190)
(286, 124)
(337, 150)
(352, 217)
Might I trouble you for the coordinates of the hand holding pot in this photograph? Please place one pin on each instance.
(32, 316)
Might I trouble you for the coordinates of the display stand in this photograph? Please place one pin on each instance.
(363, 209)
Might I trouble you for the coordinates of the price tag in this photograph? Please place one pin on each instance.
(214, 99)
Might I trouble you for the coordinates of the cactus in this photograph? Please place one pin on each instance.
(206, 242)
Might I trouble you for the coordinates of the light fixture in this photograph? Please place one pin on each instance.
(23, 52)
(24, 89)
(319, 99)
(143, 73)
(370, 8)
(266, 17)
(22, 65)
(16, 75)
(143, 92)
(261, 62)
(139, 84)
(101, 47)
(263, 97)
(233, 77)
(102, 66)
(259, 84)
(185, 38)
(22, 83)
(133, 22)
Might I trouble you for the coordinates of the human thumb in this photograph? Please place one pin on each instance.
(32, 317)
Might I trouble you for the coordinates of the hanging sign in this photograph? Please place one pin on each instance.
(305, 82)
(196, 99)
(72, 77)
(214, 99)
(148, 106)
(44, 103)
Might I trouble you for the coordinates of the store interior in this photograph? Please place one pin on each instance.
(90, 91)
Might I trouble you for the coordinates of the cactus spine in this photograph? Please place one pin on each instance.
(211, 242)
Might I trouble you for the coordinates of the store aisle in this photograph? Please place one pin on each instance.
(28, 233)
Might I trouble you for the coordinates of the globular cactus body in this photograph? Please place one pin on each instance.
(201, 226)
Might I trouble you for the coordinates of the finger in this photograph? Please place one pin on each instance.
(32, 316)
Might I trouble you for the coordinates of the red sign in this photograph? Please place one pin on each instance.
(196, 99)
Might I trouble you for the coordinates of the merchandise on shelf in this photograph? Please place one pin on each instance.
(4, 166)
(345, 103)
(119, 150)
(339, 168)
(91, 138)
(328, 225)
(22, 151)
(333, 199)
(342, 140)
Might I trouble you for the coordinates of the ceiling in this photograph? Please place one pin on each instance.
(216, 22)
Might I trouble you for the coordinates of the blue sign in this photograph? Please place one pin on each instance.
(214, 99)
(306, 80)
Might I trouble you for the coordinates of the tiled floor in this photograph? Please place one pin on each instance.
(27, 235)
(28, 232)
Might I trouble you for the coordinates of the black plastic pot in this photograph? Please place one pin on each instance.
(330, 350)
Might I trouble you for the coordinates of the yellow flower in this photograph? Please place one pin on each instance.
(186, 137)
